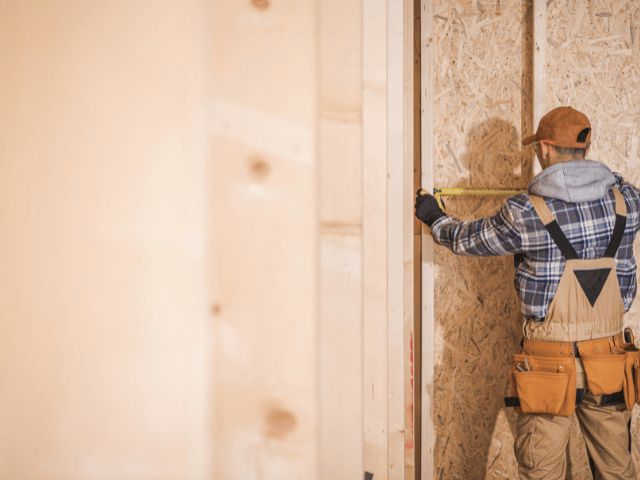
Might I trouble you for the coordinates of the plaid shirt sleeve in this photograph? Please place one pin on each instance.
(489, 236)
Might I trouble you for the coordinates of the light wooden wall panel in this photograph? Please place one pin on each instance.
(103, 301)
(263, 110)
(427, 53)
(375, 242)
(411, 151)
(340, 156)
(388, 109)
(287, 127)
(396, 218)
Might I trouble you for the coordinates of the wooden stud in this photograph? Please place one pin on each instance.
(417, 249)
(340, 161)
(428, 270)
(396, 234)
(409, 136)
(374, 226)
(539, 69)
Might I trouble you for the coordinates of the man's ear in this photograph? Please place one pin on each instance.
(547, 151)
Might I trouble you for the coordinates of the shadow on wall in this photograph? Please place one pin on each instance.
(478, 321)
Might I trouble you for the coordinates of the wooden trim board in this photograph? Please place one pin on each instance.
(375, 241)
(396, 234)
(539, 69)
(409, 138)
(428, 270)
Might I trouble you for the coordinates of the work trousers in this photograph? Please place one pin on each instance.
(541, 442)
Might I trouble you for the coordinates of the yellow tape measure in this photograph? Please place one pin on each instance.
(438, 192)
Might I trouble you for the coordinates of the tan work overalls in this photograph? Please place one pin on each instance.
(575, 360)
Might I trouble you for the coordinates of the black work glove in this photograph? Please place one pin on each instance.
(427, 208)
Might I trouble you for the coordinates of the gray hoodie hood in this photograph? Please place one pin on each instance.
(574, 181)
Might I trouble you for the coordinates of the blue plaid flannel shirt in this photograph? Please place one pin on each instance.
(516, 229)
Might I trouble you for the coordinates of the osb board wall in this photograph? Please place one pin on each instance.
(593, 64)
(482, 108)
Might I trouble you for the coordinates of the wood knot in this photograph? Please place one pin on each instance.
(259, 169)
(261, 4)
(278, 422)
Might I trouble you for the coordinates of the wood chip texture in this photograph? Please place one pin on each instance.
(596, 69)
(483, 91)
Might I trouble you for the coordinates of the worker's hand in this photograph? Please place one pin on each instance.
(427, 208)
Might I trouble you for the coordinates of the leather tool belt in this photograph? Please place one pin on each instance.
(543, 377)
(571, 349)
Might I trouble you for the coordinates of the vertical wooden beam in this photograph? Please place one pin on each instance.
(539, 68)
(374, 120)
(417, 245)
(265, 233)
(340, 155)
(428, 270)
(396, 234)
(409, 136)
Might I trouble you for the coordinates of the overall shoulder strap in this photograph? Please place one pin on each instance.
(553, 228)
(621, 223)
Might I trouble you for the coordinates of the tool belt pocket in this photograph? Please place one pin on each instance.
(636, 374)
(605, 373)
(548, 387)
(631, 385)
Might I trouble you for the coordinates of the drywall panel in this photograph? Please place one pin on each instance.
(103, 301)
(262, 99)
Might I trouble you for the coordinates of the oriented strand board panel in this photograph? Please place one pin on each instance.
(262, 99)
(482, 105)
(593, 64)
(483, 94)
(340, 139)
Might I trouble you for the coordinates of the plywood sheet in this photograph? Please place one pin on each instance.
(265, 237)
(340, 169)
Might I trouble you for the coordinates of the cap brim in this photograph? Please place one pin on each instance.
(529, 140)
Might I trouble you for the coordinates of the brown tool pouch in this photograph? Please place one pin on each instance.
(549, 388)
(605, 371)
(631, 386)
(636, 374)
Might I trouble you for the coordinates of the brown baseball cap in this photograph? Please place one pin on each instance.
(563, 127)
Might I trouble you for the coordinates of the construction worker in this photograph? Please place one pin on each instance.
(572, 236)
